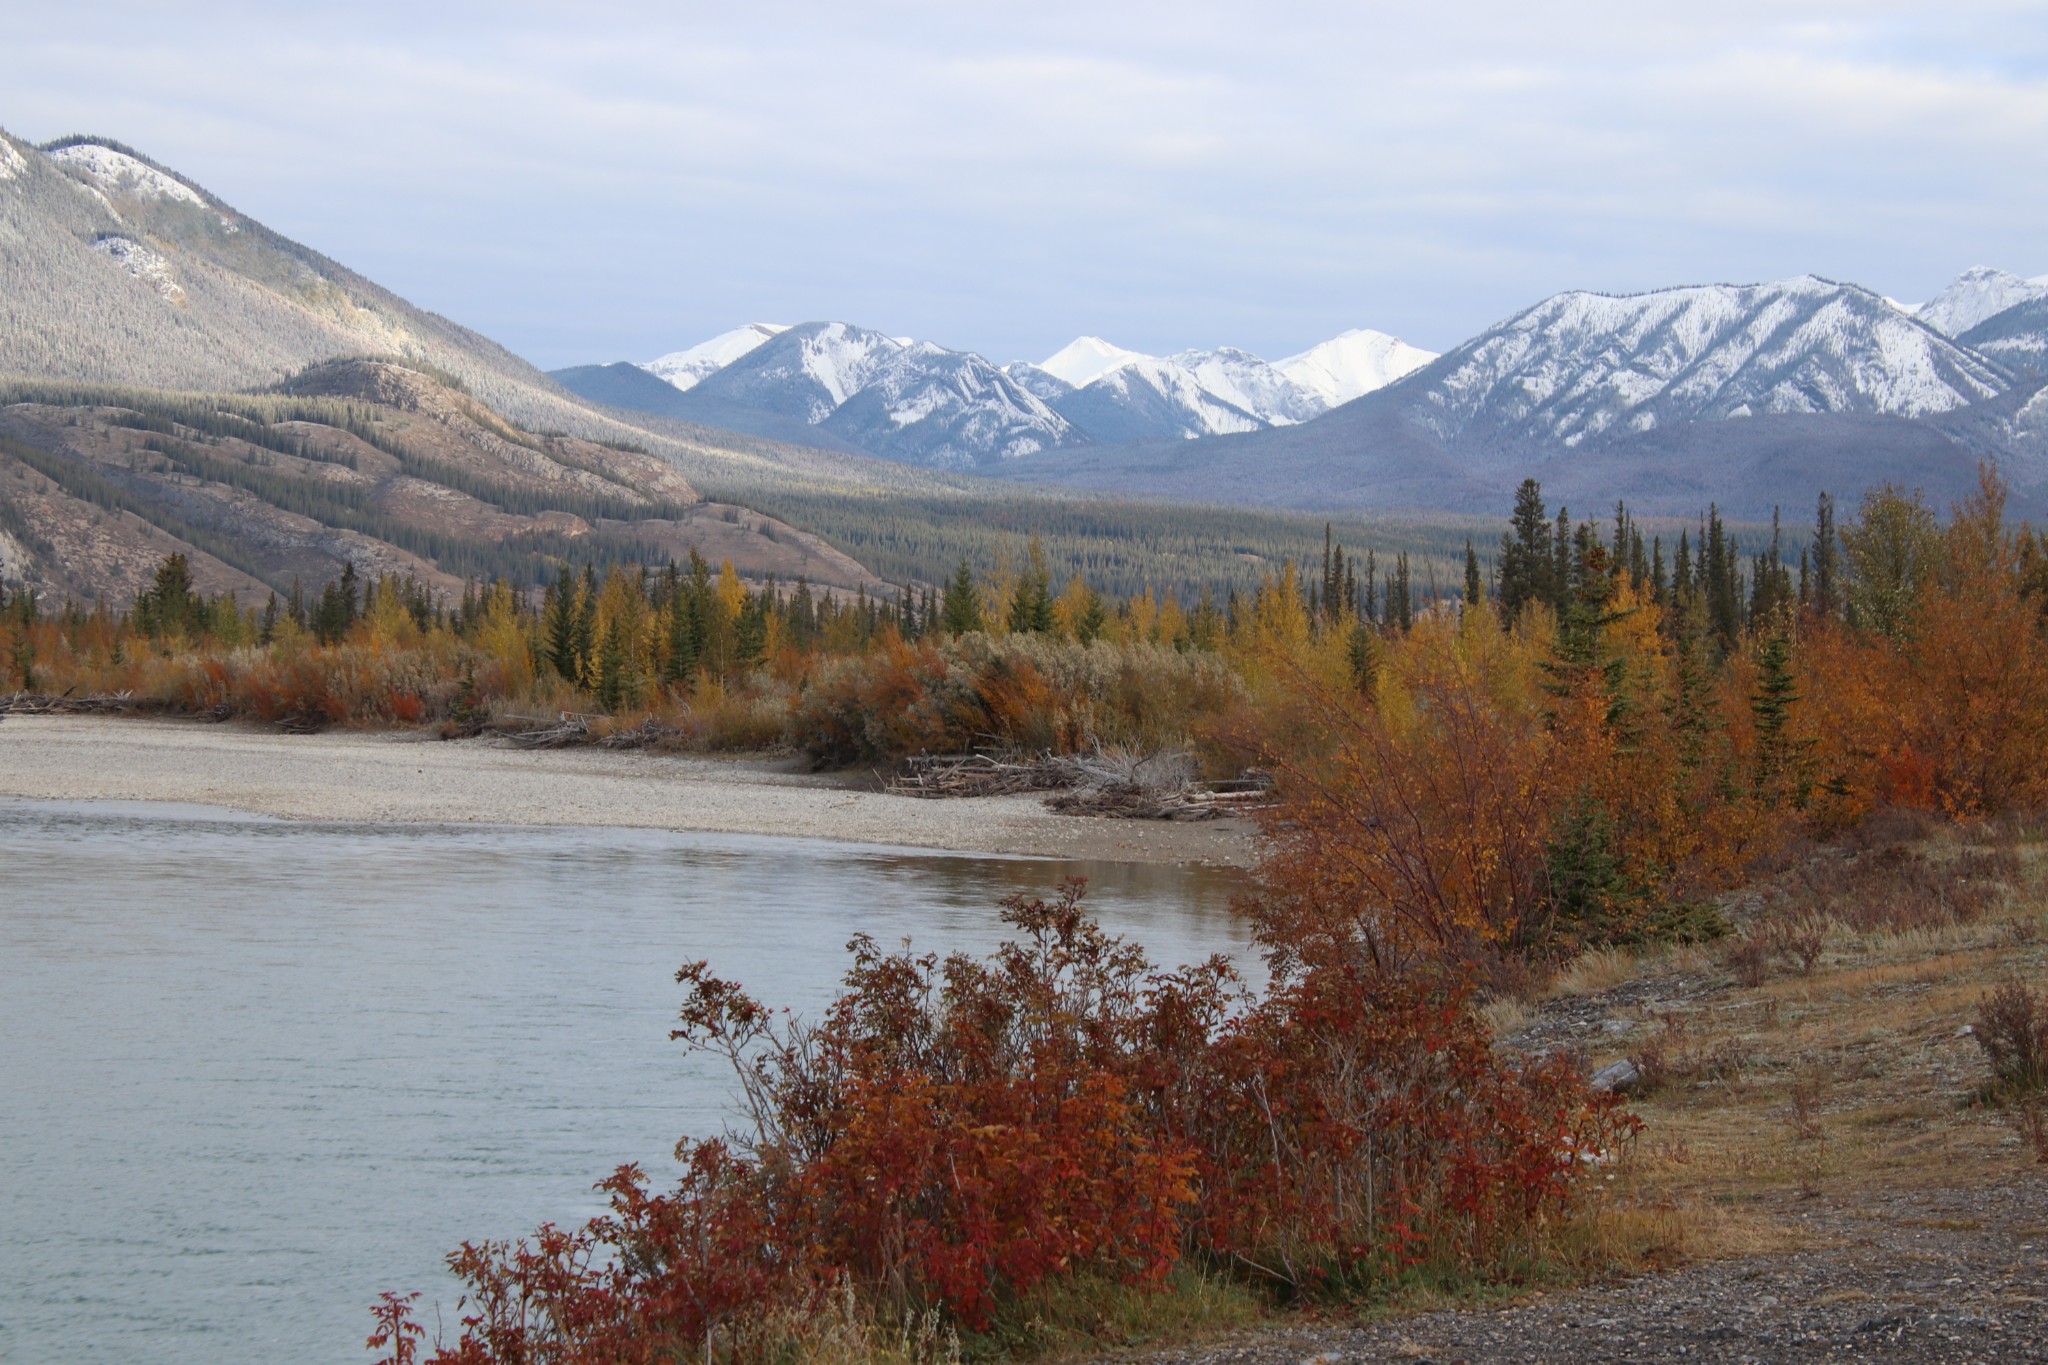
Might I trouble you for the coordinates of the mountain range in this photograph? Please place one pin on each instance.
(921, 403)
(1746, 395)
(347, 425)
(1751, 396)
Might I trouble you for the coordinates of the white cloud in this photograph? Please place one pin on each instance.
(1005, 178)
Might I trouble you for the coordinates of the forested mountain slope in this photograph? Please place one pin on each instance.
(354, 462)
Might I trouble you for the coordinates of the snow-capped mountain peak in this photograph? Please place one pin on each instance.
(1353, 364)
(1582, 365)
(686, 369)
(1084, 360)
(1976, 296)
(1251, 385)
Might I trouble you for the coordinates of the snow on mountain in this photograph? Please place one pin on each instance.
(1233, 384)
(12, 163)
(686, 369)
(950, 409)
(1579, 364)
(1353, 364)
(117, 172)
(1040, 383)
(1976, 296)
(144, 264)
(1084, 360)
(1251, 385)
(2016, 338)
(1152, 400)
(804, 372)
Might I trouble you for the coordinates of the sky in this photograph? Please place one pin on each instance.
(587, 184)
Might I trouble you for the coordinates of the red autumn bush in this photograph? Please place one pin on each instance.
(952, 1133)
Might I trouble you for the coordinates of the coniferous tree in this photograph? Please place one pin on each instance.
(1475, 587)
(584, 635)
(750, 632)
(1778, 777)
(1564, 559)
(1362, 653)
(558, 626)
(1400, 598)
(1031, 604)
(1525, 554)
(1826, 571)
(609, 685)
(962, 612)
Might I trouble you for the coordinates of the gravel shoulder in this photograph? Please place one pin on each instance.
(402, 778)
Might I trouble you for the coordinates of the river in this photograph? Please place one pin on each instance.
(253, 1072)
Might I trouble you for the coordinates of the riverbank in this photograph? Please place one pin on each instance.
(409, 778)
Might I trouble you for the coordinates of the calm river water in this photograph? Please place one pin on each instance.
(253, 1072)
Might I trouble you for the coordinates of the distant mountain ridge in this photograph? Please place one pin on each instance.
(925, 404)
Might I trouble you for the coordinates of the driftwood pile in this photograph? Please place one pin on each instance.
(1106, 783)
(104, 704)
(979, 775)
(572, 729)
(1127, 801)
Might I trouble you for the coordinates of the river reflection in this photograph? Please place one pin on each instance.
(255, 1071)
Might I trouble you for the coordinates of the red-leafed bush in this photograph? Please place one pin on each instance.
(952, 1133)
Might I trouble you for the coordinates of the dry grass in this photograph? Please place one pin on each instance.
(1598, 970)
(1845, 1068)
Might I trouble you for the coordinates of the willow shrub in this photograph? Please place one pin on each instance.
(1025, 693)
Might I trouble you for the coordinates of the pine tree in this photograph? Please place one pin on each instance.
(1475, 587)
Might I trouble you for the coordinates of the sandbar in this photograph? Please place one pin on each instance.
(408, 778)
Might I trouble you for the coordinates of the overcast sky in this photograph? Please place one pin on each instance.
(591, 183)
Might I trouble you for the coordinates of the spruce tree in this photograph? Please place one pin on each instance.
(1826, 585)
(583, 637)
(1475, 587)
(961, 614)
(1778, 777)
(610, 683)
(558, 626)
(1031, 605)
(1525, 555)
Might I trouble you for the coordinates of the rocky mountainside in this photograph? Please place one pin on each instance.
(924, 404)
(114, 269)
(1748, 396)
